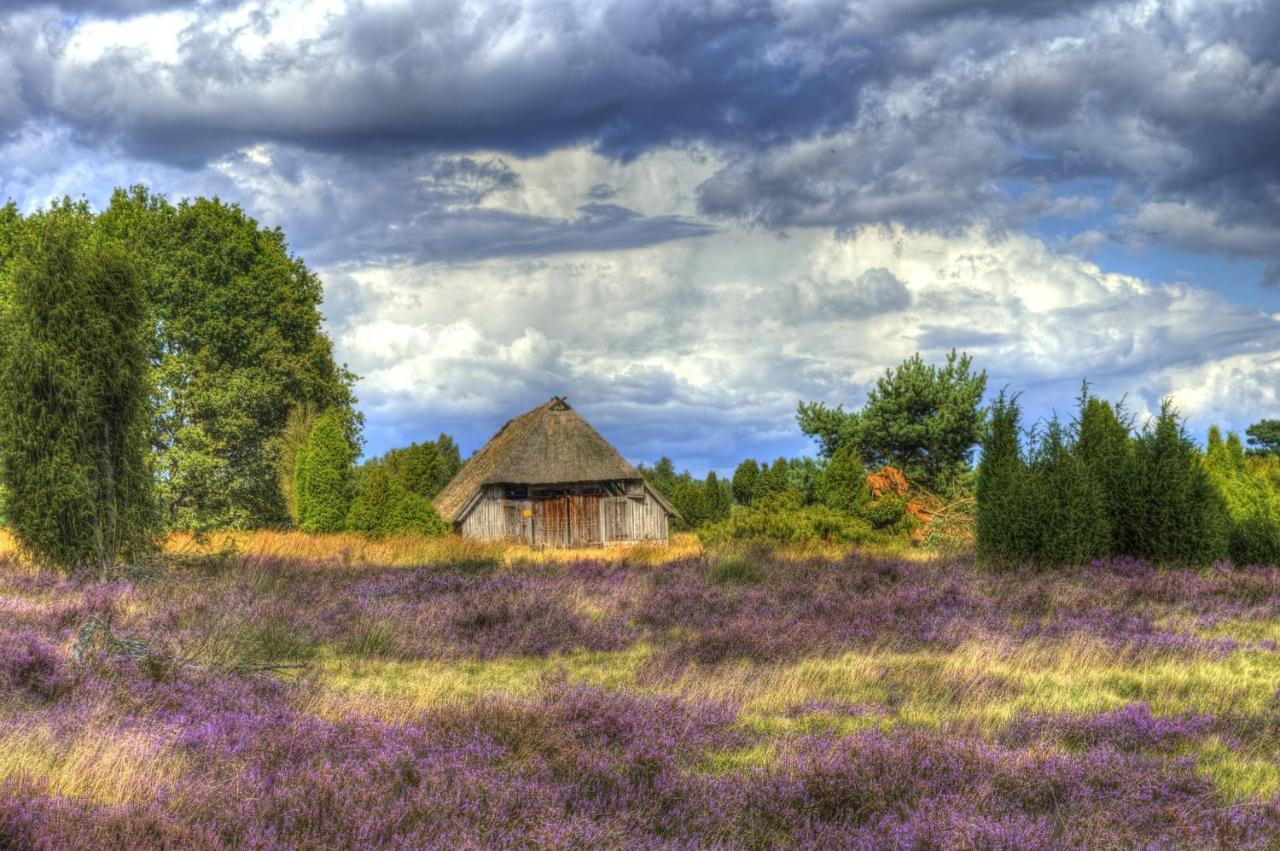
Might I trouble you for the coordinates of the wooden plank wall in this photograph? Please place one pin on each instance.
(621, 518)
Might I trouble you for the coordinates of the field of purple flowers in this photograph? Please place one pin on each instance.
(727, 700)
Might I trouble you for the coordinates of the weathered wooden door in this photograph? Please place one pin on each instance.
(515, 522)
(584, 521)
(551, 522)
(615, 519)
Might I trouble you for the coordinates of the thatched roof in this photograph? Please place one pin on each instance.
(552, 444)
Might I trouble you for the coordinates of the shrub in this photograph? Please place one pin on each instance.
(1178, 515)
(843, 484)
(324, 475)
(782, 518)
(735, 569)
(384, 506)
(746, 482)
(1250, 499)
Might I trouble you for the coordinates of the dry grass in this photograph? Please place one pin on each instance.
(100, 764)
(351, 549)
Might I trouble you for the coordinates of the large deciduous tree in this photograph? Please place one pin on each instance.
(922, 418)
(74, 413)
(236, 346)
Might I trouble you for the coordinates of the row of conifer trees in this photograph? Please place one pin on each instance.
(1063, 494)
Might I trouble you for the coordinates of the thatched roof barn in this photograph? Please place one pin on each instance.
(548, 478)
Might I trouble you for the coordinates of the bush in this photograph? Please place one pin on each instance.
(324, 475)
(782, 518)
(384, 506)
(735, 569)
(74, 396)
(1251, 501)
(843, 484)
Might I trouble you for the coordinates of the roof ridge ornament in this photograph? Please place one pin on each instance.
(558, 403)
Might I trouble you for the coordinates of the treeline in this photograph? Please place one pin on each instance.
(1098, 486)
(912, 440)
(152, 358)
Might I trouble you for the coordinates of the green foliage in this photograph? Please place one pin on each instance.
(74, 394)
(775, 477)
(288, 445)
(746, 482)
(1005, 516)
(1103, 443)
(384, 506)
(699, 502)
(735, 568)
(425, 468)
(1264, 437)
(783, 518)
(1102, 493)
(843, 484)
(237, 346)
(921, 418)
(804, 476)
(1177, 515)
(1071, 521)
(1251, 500)
(324, 475)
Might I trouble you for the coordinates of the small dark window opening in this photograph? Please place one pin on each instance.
(516, 492)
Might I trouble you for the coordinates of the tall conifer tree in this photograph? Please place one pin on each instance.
(74, 398)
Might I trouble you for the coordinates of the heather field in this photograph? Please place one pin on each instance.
(276, 698)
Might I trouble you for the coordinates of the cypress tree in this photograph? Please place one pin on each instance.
(746, 482)
(1005, 510)
(1104, 445)
(843, 484)
(324, 476)
(1179, 517)
(718, 502)
(292, 440)
(74, 396)
(1071, 512)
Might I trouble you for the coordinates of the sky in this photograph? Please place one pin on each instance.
(687, 216)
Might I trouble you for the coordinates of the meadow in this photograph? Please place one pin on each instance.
(281, 690)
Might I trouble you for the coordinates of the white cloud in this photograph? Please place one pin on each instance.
(702, 349)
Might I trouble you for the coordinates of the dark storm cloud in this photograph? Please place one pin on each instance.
(931, 113)
(451, 76)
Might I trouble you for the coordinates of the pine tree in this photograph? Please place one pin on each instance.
(324, 477)
(74, 424)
